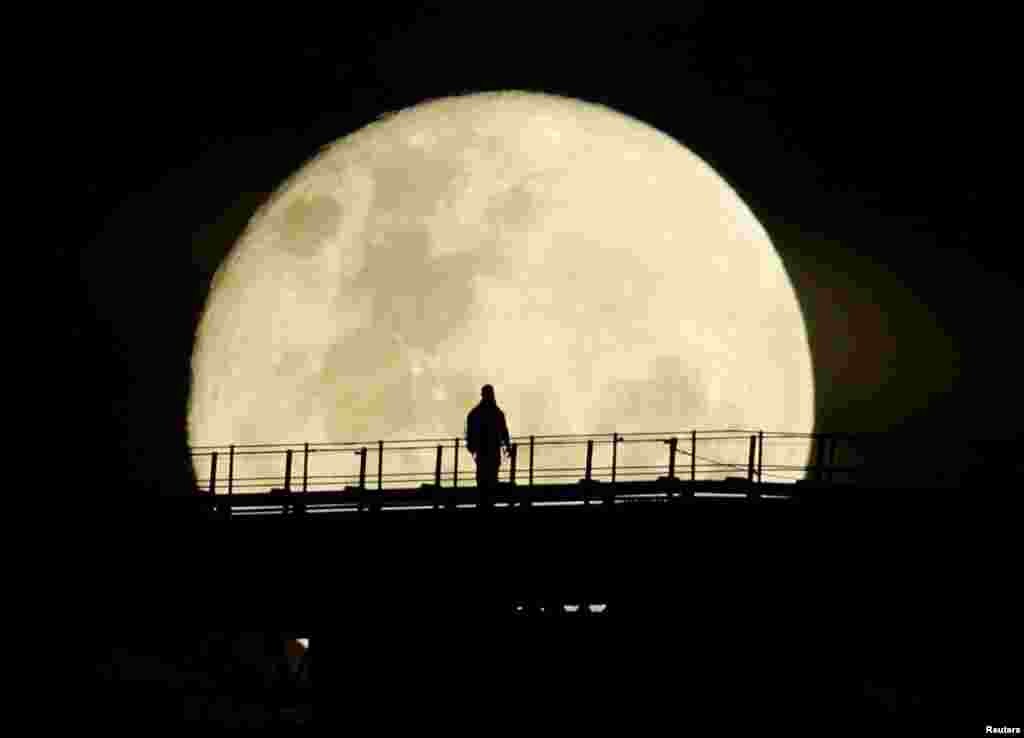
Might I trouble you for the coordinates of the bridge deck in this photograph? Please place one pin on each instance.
(355, 499)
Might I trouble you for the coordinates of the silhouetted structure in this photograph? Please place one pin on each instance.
(840, 469)
(486, 433)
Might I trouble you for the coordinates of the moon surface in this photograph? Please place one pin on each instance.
(600, 275)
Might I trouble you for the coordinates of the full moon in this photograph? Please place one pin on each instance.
(599, 274)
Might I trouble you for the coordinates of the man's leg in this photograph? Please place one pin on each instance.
(487, 479)
(481, 480)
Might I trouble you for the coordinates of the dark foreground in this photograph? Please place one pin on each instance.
(890, 611)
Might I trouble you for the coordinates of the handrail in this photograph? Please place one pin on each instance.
(311, 467)
(446, 439)
(298, 459)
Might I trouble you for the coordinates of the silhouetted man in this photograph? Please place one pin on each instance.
(486, 434)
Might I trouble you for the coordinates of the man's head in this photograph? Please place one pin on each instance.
(487, 393)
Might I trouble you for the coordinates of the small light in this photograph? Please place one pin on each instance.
(304, 642)
(598, 607)
(572, 608)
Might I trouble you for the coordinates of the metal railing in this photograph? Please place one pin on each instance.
(707, 454)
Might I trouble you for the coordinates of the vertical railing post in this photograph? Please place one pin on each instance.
(362, 468)
(305, 466)
(586, 477)
(288, 470)
(436, 492)
(750, 458)
(213, 473)
(231, 468)
(609, 495)
(513, 453)
(455, 467)
(693, 455)
(760, 454)
(673, 444)
(615, 454)
(531, 460)
(450, 497)
(380, 465)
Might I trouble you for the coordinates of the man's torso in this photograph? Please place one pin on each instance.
(487, 429)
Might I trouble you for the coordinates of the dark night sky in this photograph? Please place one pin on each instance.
(870, 143)
(870, 147)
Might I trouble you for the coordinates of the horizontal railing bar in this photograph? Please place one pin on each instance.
(547, 439)
(242, 479)
(226, 446)
(354, 495)
(566, 493)
(395, 476)
(707, 463)
(337, 499)
(770, 442)
(685, 432)
(582, 443)
(239, 447)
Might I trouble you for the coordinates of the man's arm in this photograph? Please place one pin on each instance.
(504, 432)
(470, 435)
